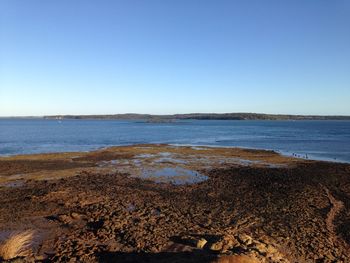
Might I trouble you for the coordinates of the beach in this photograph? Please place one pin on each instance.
(166, 203)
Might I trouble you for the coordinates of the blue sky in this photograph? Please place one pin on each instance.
(179, 56)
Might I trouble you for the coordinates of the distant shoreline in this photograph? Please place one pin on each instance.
(190, 116)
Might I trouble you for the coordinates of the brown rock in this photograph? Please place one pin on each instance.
(217, 246)
(201, 243)
(237, 259)
(246, 239)
(75, 215)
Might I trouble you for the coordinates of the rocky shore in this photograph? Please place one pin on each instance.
(162, 203)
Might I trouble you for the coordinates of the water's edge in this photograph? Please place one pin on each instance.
(283, 153)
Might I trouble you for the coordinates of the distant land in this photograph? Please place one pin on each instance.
(201, 116)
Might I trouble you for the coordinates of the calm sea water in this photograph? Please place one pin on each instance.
(327, 140)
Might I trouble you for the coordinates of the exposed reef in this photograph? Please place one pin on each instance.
(163, 203)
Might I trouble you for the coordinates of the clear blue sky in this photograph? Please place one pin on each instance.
(174, 56)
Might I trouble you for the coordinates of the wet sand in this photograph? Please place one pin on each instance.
(162, 203)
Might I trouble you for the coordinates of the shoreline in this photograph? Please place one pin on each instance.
(166, 203)
(310, 156)
(69, 159)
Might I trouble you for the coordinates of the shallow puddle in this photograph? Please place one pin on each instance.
(246, 162)
(170, 160)
(165, 154)
(13, 184)
(113, 163)
(177, 175)
(145, 155)
(198, 148)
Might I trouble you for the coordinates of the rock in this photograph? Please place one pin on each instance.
(271, 250)
(229, 242)
(201, 243)
(217, 246)
(261, 247)
(75, 215)
(237, 259)
(18, 260)
(330, 257)
(246, 239)
(64, 219)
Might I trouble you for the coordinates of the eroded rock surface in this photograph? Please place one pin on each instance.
(241, 212)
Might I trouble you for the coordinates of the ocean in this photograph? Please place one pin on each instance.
(322, 140)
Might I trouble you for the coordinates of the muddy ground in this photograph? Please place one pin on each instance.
(160, 203)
